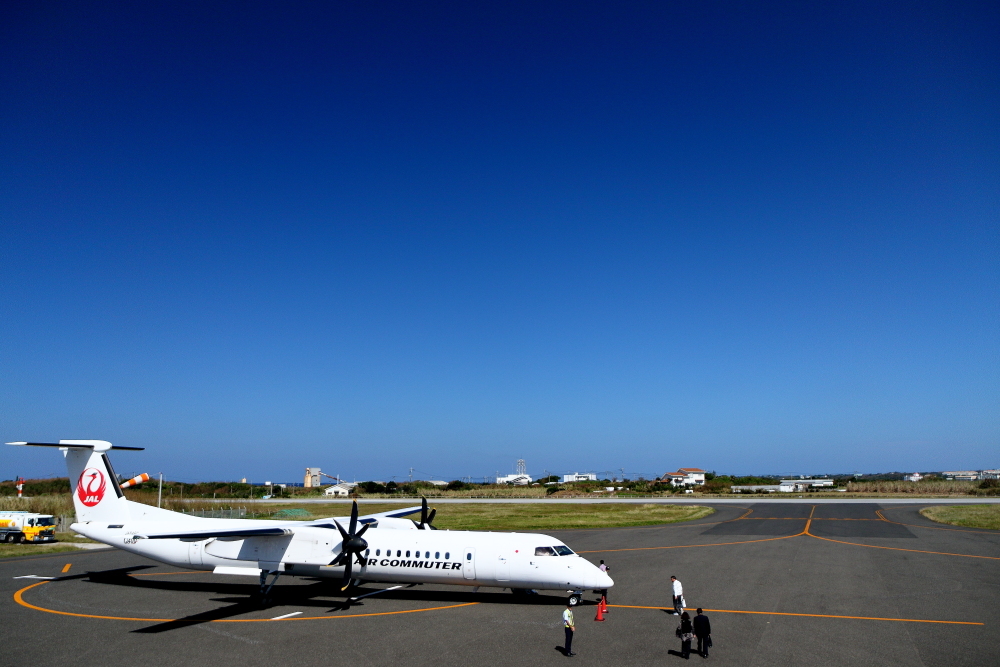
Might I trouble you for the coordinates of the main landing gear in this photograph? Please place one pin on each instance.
(264, 594)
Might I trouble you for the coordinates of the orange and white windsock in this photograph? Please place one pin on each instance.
(138, 479)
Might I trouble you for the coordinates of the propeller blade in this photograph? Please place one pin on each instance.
(343, 533)
(430, 517)
(346, 581)
(362, 561)
(354, 518)
(363, 529)
(423, 512)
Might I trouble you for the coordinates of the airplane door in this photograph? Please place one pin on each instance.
(503, 568)
(469, 563)
(195, 553)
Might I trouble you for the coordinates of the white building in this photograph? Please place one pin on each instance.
(580, 477)
(519, 480)
(804, 484)
(915, 477)
(989, 474)
(341, 490)
(963, 475)
(685, 477)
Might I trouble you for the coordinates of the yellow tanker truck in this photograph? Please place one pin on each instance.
(27, 527)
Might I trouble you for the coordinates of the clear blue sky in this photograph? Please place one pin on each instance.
(255, 237)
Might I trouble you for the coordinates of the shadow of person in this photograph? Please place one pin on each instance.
(677, 653)
(561, 649)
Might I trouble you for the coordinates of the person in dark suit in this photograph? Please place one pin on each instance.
(684, 632)
(703, 631)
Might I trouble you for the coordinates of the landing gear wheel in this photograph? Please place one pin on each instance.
(574, 599)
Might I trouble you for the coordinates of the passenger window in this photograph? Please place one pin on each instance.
(417, 554)
(545, 551)
(378, 552)
(398, 553)
(427, 554)
(468, 556)
(447, 555)
(437, 554)
(407, 553)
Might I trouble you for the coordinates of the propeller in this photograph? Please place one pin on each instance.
(425, 517)
(351, 546)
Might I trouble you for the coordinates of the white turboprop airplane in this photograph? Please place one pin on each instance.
(387, 547)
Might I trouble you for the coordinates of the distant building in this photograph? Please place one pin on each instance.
(915, 477)
(684, 477)
(341, 490)
(580, 477)
(519, 480)
(312, 478)
(804, 484)
(756, 488)
(989, 474)
(963, 475)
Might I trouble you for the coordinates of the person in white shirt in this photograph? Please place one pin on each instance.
(570, 625)
(678, 596)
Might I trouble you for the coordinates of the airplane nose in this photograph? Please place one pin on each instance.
(598, 580)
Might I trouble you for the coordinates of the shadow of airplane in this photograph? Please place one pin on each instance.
(320, 594)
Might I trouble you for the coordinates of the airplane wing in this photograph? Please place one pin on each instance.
(367, 518)
(275, 531)
(271, 531)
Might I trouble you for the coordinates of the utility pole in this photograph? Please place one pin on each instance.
(159, 494)
(623, 473)
(411, 475)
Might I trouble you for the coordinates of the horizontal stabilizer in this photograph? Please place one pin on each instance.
(98, 445)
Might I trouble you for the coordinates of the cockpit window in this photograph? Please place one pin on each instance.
(564, 551)
(545, 551)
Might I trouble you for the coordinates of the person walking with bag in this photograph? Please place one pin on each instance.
(678, 593)
(684, 631)
(703, 631)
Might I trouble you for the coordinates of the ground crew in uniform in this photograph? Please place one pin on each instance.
(678, 596)
(605, 569)
(703, 631)
(569, 624)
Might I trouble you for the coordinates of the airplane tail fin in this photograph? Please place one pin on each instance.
(97, 495)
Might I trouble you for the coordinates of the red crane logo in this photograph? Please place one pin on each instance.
(90, 487)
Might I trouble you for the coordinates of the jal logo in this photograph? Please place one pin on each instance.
(90, 487)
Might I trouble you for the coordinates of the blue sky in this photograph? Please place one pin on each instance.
(373, 236)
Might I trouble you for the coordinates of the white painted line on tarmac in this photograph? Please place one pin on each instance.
(392, 588)
(35, 576)
(294, 613)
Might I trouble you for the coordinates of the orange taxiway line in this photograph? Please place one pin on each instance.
(691, 546)
(19, 598)
(785, 613)
(952, 530)
(66, 567)
(916, 551)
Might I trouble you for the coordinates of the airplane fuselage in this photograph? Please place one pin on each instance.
(469, 558)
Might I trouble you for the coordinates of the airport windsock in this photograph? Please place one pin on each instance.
(138, 479)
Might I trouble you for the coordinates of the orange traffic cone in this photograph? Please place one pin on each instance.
(604, 604)
(600, 613)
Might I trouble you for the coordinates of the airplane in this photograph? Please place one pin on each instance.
(387, 547)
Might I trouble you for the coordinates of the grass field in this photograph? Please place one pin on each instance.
(969, 516)
(63, 543)
(541, 516)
